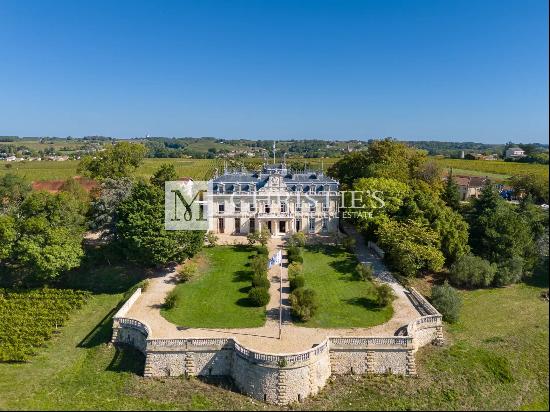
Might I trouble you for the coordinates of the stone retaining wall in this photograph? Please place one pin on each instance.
(279, 378)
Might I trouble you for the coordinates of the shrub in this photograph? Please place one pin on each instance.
(252, 238)
(472, 272)
(364, 272)
(297, 282)
(187, 271)
(263, 237)
(349, 243)
(170, 300)
(262, 250)
(259, 265)
(447, 301)
(384, 295)
(144, 284)
(294, 254)
(261, 281)
(304, 303)
(211, 239)
(295, 269)
(297, 239)
(259, 296)
(509, 271)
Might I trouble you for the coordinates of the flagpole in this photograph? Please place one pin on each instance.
(280, 294)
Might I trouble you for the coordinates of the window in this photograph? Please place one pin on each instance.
(312, 224)
(252, 207)
(267, 209)
(237, 207)
(325, 206)
(312, 207)
(252, 225)
(221, 208)
(324, 228)
(221, 225)
(298, 225)
(298, 205)
(283, 207)
(237, 225)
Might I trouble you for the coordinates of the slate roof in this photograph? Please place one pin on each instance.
(293, 181)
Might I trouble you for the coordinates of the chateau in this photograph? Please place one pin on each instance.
(276, 199)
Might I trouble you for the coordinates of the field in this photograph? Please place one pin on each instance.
(494, 169)
(217, 298)
(198, 169)
(344, 301)
(29, 319)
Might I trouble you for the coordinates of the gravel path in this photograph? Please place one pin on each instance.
(266, 338)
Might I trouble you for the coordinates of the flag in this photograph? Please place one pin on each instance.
(276, 259)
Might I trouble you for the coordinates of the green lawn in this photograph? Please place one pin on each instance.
(343, 300)
(496, 358)
(218, 297)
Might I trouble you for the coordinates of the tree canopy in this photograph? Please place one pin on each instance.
(116, 161)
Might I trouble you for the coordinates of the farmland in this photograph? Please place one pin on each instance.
(198, 169)
(29, 319)
(494, 169)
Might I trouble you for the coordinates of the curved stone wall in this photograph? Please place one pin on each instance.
(280, 378)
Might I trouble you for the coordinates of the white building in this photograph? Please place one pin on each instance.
(515, 152)
(277, 199)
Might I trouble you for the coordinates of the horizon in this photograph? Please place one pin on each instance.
(418, 71)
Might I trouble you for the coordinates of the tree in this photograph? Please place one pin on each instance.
(447, 301)
(304, 303)
(8, 234)
(364, 272)
(140, 229)
(116, 161)
(384, 295)
(425, 206)
(44, 241)
(472, 271)
(532, 184)
(103, 206)
(501, 234)
(259, 296)
(410, 246)
(165, 173)
(383, 158)
(451, 195)
(13, 190)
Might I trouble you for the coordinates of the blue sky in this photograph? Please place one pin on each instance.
(445, 70)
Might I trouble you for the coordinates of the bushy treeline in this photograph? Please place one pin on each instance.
(423, 227)
(41, 233)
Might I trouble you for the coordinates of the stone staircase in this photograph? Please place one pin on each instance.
(370, 361)
(148, 370)
(411, 363)
(189, 365)
(312, 381)
(281, 388)
(439, 338)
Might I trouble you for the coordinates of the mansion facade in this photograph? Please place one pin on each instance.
(276, 199)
